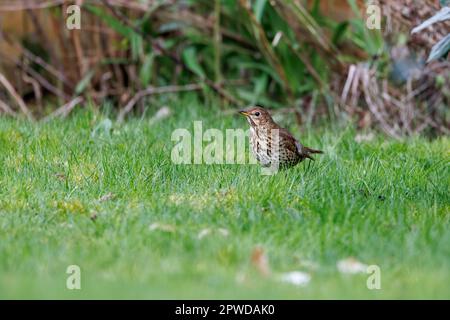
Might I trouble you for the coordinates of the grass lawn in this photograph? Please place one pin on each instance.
(383, 202)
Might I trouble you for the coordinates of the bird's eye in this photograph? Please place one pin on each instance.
(257, 113)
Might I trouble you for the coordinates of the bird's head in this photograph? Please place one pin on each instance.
(257, 116)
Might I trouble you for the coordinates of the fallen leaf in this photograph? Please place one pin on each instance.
(260, 261)
(351, 266)
(297, 278)
(161, 227)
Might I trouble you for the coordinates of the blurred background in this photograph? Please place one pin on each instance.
(314, 59)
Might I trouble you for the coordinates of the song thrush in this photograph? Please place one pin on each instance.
(271, 144)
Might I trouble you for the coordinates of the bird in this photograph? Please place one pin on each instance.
(264, 135)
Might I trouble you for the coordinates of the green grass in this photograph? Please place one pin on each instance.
(383, 202)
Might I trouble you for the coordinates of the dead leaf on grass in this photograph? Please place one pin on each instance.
(260, 261)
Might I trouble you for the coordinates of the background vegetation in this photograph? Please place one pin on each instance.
(316, 59)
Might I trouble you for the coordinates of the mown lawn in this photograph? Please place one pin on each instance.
(113, 203)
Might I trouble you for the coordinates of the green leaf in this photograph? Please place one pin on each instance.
(354, 7)
(190, 59)
(136, 46)
(259, 9)
(84, 83)
(145, 73)
(315, 9)
(263, 67)
(339, 32)
(171, 26)
(440, 49)
(111, 21)
(250, 97)
(260, 87)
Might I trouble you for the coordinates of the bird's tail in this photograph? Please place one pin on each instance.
(307, 152)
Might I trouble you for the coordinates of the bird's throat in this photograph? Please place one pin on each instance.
(251, 122)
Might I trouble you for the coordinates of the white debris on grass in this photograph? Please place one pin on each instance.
(297, 278)
(162, 227)
(208, 231)
(351, 266)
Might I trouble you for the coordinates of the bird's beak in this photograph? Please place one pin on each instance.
(243, 112)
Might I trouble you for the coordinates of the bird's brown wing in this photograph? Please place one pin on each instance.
(288, 141)
(293, 145)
